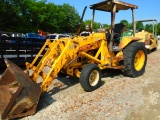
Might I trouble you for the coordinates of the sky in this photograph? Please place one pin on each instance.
(147, 9)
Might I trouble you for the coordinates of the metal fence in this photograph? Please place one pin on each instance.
(19, 50)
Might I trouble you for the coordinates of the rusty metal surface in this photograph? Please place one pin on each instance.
(107, 5)
(6, 78)
(4, 97)
(11, 102)
(21, 93)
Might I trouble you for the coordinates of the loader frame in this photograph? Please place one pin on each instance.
(69, 59)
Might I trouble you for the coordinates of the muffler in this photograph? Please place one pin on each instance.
(19, 95)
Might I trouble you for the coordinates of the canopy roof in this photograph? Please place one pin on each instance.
(107, 5)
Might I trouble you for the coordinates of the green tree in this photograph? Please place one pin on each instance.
(149, 27)
(9, 15)
(130, 26)
(31, 15)
(2, 11)
(158, 29)
(53, 18)
(68, 18)
(86, 22)
(139, 26)
(96, 25)
(106, 26)
(125, 22)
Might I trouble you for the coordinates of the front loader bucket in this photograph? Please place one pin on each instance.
(19, 95)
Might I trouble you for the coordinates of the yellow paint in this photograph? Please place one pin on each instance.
(72, 54)
(139, 60)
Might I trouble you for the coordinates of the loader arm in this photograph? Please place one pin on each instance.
(59, 53)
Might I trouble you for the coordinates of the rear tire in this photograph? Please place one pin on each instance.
(90, 77)
(135, 58)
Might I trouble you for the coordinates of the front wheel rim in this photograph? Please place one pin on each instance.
(94, 78)
(139, 60)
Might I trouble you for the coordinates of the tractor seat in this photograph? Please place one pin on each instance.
(118, 29)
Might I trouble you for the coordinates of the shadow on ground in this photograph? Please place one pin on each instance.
(59, 84)
(111, 73)
(62, 83)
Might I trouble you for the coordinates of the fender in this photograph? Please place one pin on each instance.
(126, 40)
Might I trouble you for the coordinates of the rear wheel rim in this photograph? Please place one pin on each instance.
(94, 78)
(139, 60)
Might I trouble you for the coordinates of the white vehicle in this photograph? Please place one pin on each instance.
(56, 36)
(4, 35)
(84, 33)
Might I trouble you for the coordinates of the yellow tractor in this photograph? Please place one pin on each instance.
(80, 56)
(151, 41)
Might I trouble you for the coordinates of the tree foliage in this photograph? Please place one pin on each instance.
(32, 15)
(139, 26)
(158, 29)
(96, 25)
(125, 22)
(149, 27)
(129, 26)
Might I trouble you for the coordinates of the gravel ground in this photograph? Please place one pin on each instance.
(118, 98)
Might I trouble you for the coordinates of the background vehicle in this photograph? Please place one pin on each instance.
(84, 33)
(151, 41)
(31, 38)
(83, 57)
(4, 35)
(56, 36)
(34, 35)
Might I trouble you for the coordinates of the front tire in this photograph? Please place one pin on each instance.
(90, 77)
(135, 58)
